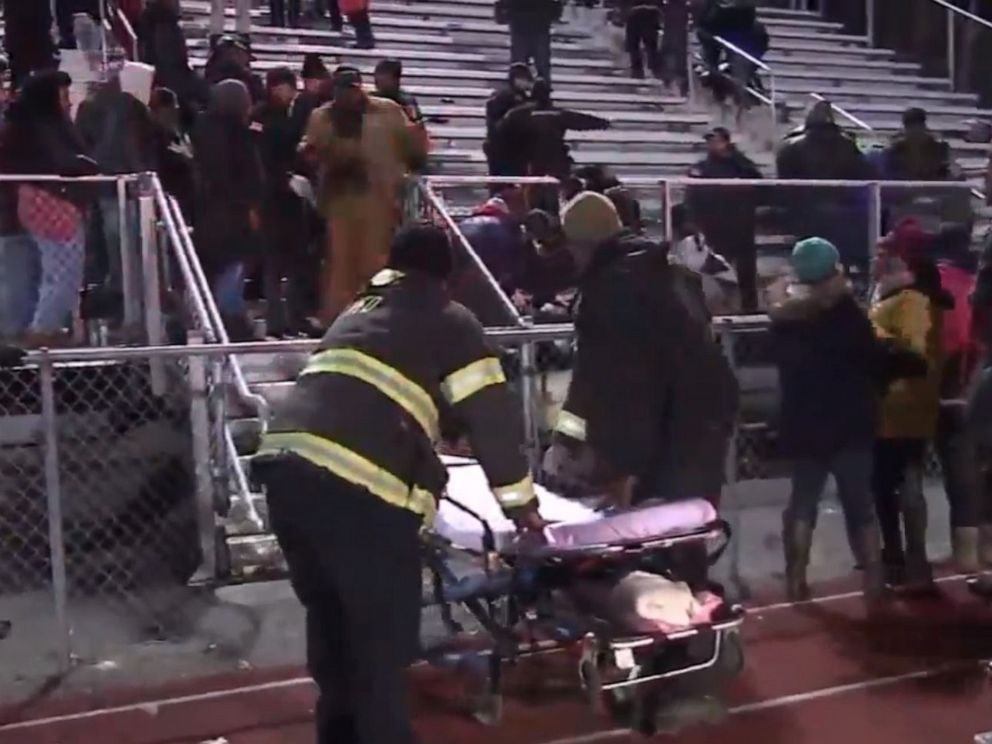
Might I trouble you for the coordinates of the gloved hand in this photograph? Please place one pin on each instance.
(527, 518)
(11, 356)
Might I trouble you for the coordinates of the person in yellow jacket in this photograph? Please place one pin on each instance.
(365, 147)
(907, 313)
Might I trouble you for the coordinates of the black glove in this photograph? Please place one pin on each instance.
(11, 356)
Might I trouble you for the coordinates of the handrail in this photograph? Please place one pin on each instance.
(770, 99)
(689, 181)
(202, 287)
(962, 12)
(438, 206)
(861, 123)
(502, 336)
(746, 55)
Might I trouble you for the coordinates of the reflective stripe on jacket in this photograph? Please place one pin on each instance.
(370, 403)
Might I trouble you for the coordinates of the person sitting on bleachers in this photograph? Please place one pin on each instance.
(916, 154)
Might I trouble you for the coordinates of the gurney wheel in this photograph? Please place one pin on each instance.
(489, 709)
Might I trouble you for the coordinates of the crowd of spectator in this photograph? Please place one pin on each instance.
(276, 179)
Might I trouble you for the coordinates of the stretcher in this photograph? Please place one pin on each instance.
(530, 594)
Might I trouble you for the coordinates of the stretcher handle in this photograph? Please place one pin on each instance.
(728, 535)
(488, 537)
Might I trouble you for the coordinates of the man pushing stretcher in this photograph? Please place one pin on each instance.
(351, 475)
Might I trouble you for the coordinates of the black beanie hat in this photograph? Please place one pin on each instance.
(422, 247)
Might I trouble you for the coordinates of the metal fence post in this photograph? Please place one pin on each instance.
(199, 416)
(528, 378)
(154, 327)
(666, 201)
(870, 22)
(952, 44)
(731, 506)
(130, 281)
(53, 493)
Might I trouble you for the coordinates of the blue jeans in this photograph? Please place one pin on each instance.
(19, 274)
(229, 290)
(852, 469)
(62, 264)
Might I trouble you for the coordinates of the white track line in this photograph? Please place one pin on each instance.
(837, 597)
(151, 707)
(789, 700)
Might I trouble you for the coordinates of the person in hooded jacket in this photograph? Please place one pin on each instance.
(907, 311)
(821, 150)
(40, 138)
(230, 189)
(827, 356)
(502, 157)
(915, 154)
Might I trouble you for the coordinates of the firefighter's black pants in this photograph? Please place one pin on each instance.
(354, 562)
(642, 32)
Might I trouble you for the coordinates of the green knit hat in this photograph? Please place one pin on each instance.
(814, 260)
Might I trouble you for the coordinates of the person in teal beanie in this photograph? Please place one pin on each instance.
(826, 353)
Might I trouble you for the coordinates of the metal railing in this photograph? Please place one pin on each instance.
(771, 99)
(858, 122)
(954, 12)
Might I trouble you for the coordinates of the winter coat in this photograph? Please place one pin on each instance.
(283, 212)
(229, 187)
(724, 214)
(828, 361)
(39, 138)
(651, 394)
(923, 158)
(822, 152)
(914, 321)
(118, 132)
(537, 133)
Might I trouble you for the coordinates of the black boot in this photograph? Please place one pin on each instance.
(797, 540)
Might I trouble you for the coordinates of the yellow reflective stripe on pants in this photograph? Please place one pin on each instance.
(389, 381)
(471, 379)
(571, 426)
(352, 467)
(517, 494)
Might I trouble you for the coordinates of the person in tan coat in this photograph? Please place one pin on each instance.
(364, 147)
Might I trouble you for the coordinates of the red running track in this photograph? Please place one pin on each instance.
(820, 673)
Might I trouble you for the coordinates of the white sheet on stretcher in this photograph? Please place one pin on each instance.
(576, 524)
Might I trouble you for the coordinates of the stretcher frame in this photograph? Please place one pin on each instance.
(609, 670)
